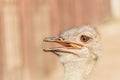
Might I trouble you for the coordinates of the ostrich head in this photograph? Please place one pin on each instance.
(79, 44)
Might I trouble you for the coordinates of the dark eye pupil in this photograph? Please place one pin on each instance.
(84, 38)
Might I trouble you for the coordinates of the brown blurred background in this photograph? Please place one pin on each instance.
(24, 24)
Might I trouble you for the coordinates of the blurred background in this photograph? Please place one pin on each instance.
(25, 23)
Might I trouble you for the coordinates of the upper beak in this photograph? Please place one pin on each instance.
(53, 39)
(67, 46)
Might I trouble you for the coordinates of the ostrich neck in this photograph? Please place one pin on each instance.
(74, 71)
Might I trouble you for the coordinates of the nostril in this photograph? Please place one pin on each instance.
(61, 39)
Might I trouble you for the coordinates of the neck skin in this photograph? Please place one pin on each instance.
(74, 71)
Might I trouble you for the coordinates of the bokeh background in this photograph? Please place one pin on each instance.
(25, 23)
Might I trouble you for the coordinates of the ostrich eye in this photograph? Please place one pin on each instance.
(84, 38)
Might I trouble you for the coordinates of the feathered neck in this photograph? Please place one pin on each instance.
(74, 71)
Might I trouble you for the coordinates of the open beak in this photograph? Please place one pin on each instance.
(67, 46)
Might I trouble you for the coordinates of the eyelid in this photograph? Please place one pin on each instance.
(88, 34)
(85, 33)
(90, 37)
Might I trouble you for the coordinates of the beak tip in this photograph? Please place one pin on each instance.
(45, 50)
(48, 49)
(44, 40)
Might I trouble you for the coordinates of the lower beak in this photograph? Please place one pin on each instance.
(67, 46)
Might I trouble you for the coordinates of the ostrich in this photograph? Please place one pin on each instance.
(79, 52)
